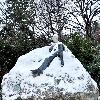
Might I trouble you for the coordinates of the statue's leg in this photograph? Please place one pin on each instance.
(45, 64)
(60, 53)
(47, 61)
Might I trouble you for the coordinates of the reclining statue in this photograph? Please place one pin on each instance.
(49, 59)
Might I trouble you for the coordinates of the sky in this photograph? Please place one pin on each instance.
(2, 0)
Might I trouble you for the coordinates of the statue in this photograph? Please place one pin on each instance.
(49, 59)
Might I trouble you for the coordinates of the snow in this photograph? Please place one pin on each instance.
(99, 98)
(1, 26)
(30, 28)
(20, 82)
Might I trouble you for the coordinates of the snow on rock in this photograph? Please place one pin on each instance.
(69, 81)
(99, 98)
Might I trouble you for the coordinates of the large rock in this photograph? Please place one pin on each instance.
(70, 82)
(99, 98)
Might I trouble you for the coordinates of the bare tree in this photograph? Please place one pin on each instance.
(52, 16)
(87, 9)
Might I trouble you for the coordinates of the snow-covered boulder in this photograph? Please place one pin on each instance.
(99, 98)
(70, 82)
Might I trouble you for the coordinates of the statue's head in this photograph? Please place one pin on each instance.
(55, 38)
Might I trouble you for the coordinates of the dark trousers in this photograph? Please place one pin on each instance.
(49, 59)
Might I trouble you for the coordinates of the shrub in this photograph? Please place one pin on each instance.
(81, 47)
(94, 67)
(8, 57)
(88, 54)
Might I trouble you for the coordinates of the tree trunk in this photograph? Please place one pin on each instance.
(88, 30)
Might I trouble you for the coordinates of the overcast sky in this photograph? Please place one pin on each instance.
(1, 0)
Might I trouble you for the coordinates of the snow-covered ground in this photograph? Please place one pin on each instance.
(72, 77)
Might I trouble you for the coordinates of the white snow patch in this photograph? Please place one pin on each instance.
(99, 98)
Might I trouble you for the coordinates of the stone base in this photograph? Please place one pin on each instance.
(67, 96)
